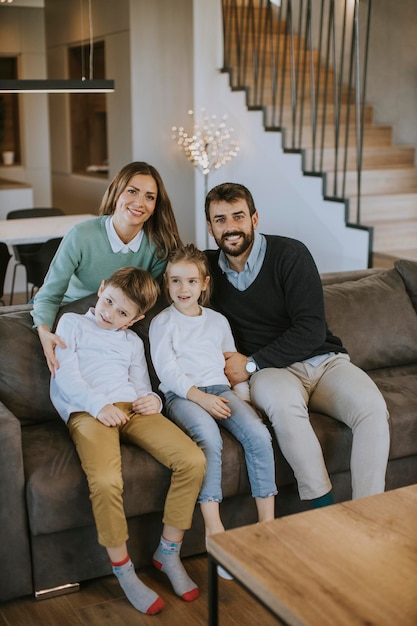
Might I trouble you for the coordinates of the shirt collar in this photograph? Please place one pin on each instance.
(252, 258)
(117, 245)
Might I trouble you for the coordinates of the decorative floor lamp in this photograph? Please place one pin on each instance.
(209, 146)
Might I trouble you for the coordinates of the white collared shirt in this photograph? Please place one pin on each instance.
(117, 245)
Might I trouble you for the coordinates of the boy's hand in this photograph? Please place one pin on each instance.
(111, 415)
(49, 340)
(216, 406)
(147, 405)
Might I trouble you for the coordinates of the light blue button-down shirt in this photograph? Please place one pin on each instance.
(242, 280)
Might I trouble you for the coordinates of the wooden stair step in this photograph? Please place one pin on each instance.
(395, 235)
(384, 207)
(410, 254)
(272, 117)
(376, 182)
(374, 136)
(372, 158)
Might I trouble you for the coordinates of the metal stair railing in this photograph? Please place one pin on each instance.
(304, 63)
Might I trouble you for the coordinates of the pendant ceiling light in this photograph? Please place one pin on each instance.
(57, 86)
(83, 85)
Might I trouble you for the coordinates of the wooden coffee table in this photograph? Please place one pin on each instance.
(349, 564)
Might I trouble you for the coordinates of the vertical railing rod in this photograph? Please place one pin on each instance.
(276, 120)
(305, 70)
(293, 76)
(357, 97)
(349, 103)
(318, 90)
(253, 58)
(267, 39)
(297, 72)
(258, 46)
(312, 94)
(244, 57)
(326, 85)
(288, 20)
(362, 121)
(336, 100)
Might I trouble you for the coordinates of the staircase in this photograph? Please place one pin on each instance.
(311, 88)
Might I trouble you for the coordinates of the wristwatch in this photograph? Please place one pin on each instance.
(250, 366)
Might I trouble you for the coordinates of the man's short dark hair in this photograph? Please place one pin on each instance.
(229, 192)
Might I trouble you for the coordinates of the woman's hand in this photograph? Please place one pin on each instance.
(49, 340)
(216, 406)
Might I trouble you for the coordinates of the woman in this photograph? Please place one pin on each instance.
(136, 227)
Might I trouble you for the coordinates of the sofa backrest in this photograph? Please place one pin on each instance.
(375, 317)
(373, 314)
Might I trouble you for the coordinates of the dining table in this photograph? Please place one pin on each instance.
(39, 229)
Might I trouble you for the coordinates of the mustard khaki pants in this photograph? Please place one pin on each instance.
(98, 447)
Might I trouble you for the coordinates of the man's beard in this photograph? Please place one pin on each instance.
(236, 250)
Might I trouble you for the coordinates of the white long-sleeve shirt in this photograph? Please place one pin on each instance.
(98, 367)
(188, 351)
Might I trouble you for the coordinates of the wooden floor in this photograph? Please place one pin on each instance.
(101, 602)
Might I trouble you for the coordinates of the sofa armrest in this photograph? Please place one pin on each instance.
(15, 559)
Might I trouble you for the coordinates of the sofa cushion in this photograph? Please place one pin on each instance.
(398, 386)
(375, 319)
(408, 272)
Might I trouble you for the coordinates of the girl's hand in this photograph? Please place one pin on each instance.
(147, 405)
(49, 340)
(216, 406)
(111, 415)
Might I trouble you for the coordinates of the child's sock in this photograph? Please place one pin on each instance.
(143, 599)
(325, 500)
(167, 559)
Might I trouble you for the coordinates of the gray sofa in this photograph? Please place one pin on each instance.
(48, 536)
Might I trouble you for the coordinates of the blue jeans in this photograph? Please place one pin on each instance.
(244, 424)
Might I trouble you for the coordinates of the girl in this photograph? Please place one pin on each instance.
(188, 342)
(137, 228)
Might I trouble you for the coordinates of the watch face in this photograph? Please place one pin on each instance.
(250, 367)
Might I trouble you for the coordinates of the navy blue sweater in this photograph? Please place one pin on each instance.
(280, 318)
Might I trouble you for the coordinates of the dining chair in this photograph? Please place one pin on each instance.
(37, 264)
(5, 257)
(19, 250)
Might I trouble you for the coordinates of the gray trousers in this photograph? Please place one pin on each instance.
(336, 388)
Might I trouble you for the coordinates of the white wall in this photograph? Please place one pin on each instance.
(22, 35)
(161, 57)
(288, 202)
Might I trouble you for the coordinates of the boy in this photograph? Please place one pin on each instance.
(102, 391)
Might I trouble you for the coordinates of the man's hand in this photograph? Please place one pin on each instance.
(147, 405)
(216, 406)
(49, 340)
(235, 368)
(111, 415)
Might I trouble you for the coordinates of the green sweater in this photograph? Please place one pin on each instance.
(83, 260)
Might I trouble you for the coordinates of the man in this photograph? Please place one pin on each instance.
(270, 290)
